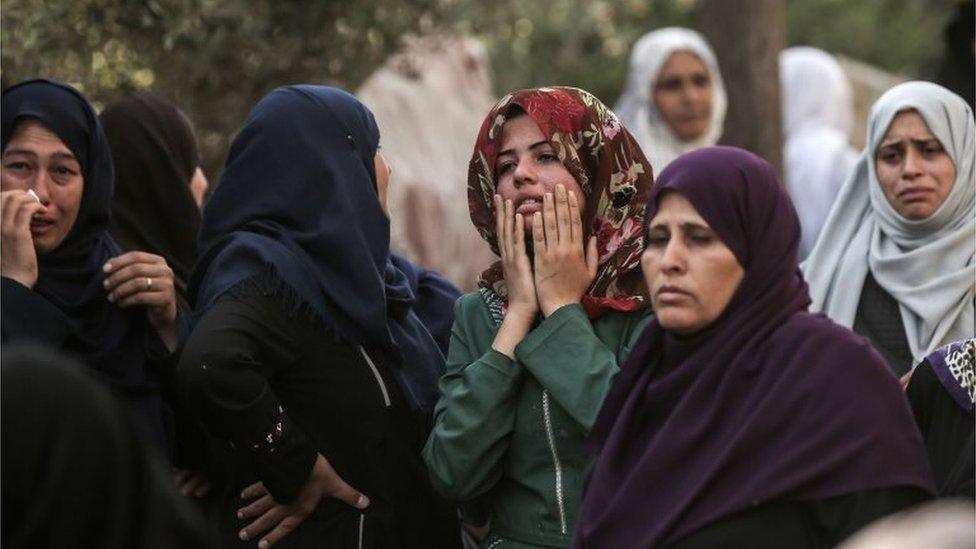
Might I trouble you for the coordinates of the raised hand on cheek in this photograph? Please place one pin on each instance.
(563, 270)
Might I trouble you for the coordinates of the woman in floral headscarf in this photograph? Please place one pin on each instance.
(556, 186)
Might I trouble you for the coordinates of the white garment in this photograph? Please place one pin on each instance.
(636, 109)
(926, 265)
(429, 101)
(818, 108)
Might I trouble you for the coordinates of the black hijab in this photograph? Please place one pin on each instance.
(154, 150)
(74, 474)
(112, 341)
(297, 207)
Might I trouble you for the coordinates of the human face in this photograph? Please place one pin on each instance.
(691, 274)
(527, 168)
(915, 171)
(383, 173)
(36, 158)
(198, 187)
(683, 95)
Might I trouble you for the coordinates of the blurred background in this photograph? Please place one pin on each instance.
(410, 59)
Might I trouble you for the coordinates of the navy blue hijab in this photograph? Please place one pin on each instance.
(297, 206)
(112, 341)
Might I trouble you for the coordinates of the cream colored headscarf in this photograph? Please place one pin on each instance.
(816, 122)
(636, 109)
(926, 265)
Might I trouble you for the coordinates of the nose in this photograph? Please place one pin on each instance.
(41, 183)
(524, 174)
(674, 259)
(913, 164)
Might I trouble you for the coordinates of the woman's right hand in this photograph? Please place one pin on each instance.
(18, 259)
(523, 304)
(282, 519)
(516, 266)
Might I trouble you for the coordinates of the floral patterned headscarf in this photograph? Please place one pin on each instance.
(610, 168)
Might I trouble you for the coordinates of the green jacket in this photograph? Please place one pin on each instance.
(513, 431)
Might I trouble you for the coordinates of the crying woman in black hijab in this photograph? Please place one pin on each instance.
(159, 186)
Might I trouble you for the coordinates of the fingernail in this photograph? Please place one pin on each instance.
(111, 298)
(362, 502)
(243, 535)
(263, 544)
(561, 188)
(107, 267)
(240, 515)
(105, 283)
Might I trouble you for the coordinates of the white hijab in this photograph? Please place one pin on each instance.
(926, 265)
(818, 110)
(636, 108)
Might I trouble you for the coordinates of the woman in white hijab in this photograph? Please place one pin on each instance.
(818, 109)
(895, 260)
(674, 100)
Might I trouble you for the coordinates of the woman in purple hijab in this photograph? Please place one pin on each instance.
(740, 419)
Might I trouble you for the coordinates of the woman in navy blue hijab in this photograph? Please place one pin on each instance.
(307, 355)
(64, 282)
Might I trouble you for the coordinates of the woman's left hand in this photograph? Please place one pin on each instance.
(143, 279)
(562, 271)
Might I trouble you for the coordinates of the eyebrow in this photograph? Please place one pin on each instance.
(532, 146)
(59, 155)
(684, 225)
(915, 141)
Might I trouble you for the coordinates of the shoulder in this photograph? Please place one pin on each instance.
(821, 343)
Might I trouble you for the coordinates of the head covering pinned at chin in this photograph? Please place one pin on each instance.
(155, 153)
(607, 164)
(769, 403)
(636, 106)
(927, 265)
(297, 211)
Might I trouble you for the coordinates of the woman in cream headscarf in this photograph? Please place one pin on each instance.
(816, 122)
(895, 260)
(674, 100)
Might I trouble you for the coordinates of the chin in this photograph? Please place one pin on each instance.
(917, 212)
(677, 321)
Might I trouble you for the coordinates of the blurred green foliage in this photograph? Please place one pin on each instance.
(215, 58)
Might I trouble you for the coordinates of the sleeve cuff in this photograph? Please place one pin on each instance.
(501, 363)
(549, 327)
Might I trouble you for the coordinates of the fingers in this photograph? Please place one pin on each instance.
(509, 227)
(285, 527)
(129, 258)
(196, 485)
(136, 271)
(538, 235)
(257, 508)
(143, 288)
(337, 488)
(18, 208)
(500, 224)
(266, 521)
(563, 215)
(519, 235)
(575, 218)
(549, 217)
(26, 212)
(592, 258)
(254, 491)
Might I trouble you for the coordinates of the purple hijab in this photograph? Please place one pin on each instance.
(768, 403)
